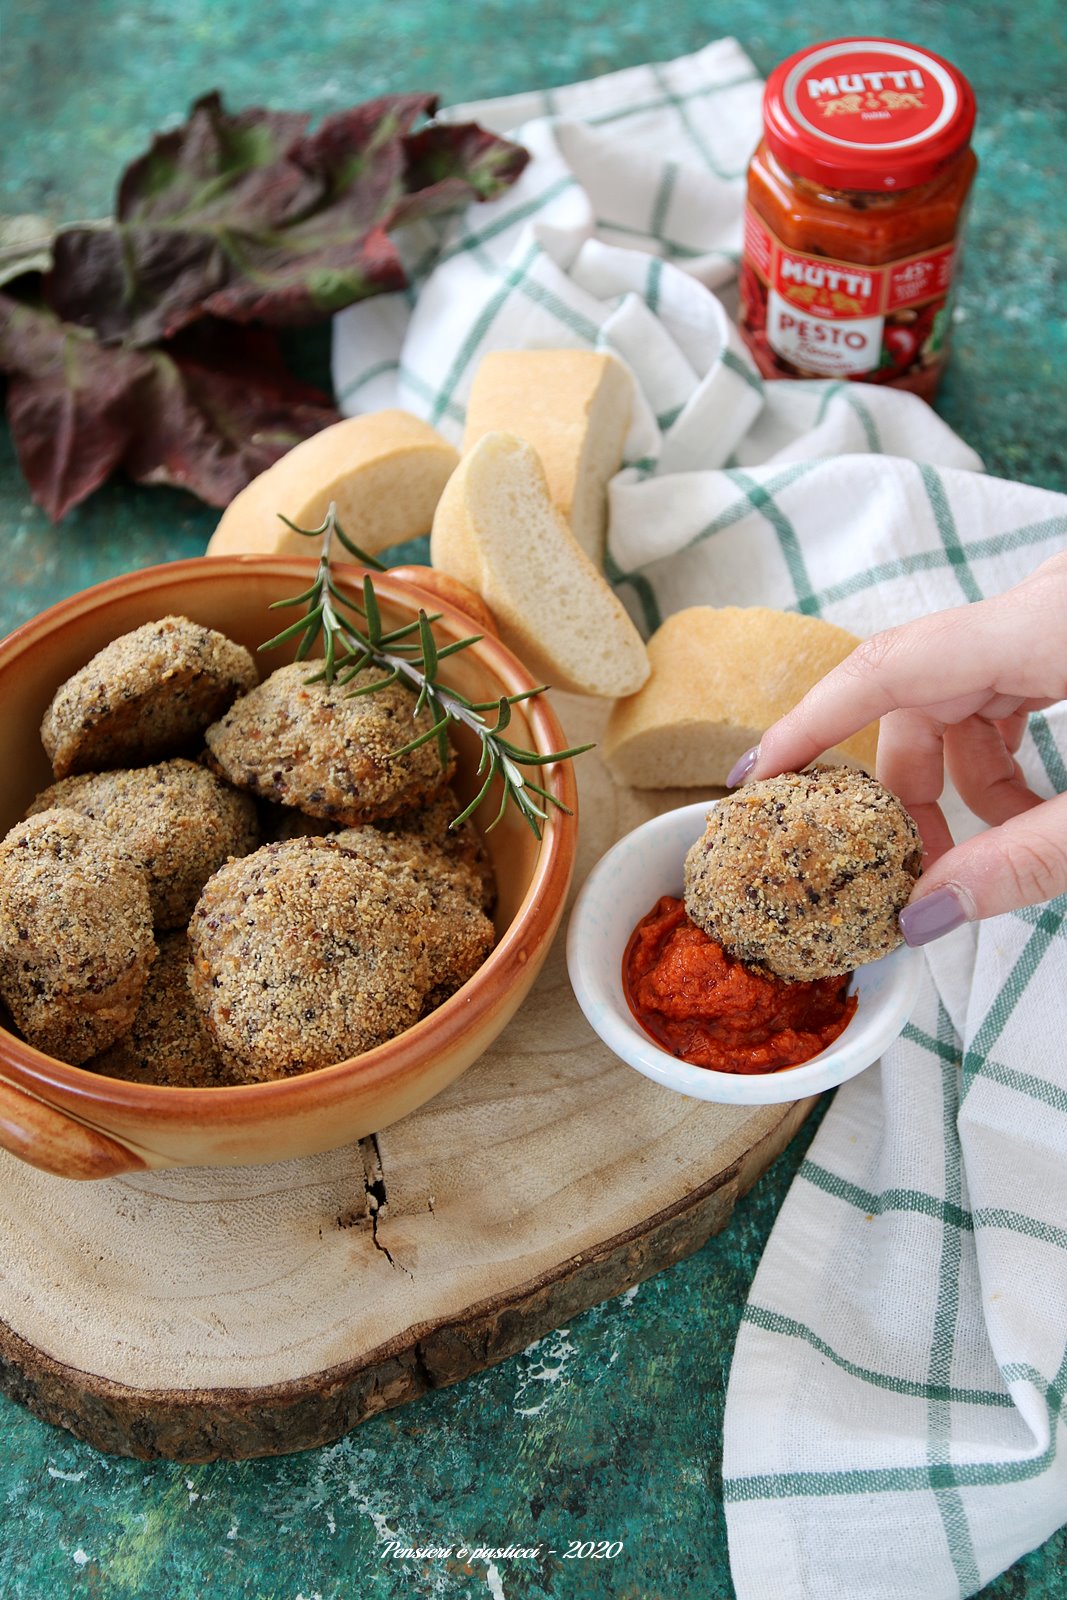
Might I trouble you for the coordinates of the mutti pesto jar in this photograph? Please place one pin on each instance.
(856, 201)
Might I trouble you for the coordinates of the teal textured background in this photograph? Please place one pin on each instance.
(611, 1429)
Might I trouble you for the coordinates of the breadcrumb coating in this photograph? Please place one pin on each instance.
(459, 934)
(176, 818)
(76, 939)
(463, 845)
(803, 875)
(304, 954)
(327, 751)
(428, 824)
(168, 1043)
(147, 694)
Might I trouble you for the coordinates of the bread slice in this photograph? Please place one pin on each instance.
(573, 407)
(385, 472)
(719, 678)
(497, 531)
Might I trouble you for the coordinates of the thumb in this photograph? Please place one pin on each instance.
(1021, 863)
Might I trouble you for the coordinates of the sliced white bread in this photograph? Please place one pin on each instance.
(385, 472)
(573, 407)
(720, 676)
(497, 530)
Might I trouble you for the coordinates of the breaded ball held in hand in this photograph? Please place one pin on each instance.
(147, 694)
(804, 875)
(76, 939)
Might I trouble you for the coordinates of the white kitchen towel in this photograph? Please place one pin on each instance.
(896, 1398)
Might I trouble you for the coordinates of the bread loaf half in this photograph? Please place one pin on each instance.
(573, 407)
(719, 678)
(497, 531)
(385, 472)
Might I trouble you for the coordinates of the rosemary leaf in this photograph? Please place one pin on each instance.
(529, 758)
(457, 645)
(429, 648)
(547, 795)
(297, 600)
(293, 629)
(461, 700)
(512, 699)
(505, 796)
(365, 659)
(344, 598)
(345, 674)
(353, 549)
(482, 792)
(372, 613)
(420, 739)
(407, 630)
(512, 773)
(305, 533)
(372, 688)
(303, 649)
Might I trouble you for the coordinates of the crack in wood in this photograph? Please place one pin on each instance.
(376, 1199)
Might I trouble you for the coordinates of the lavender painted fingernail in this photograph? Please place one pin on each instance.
(935, 914)
(742, 767)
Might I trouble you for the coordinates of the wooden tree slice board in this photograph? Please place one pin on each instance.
(229, 1313)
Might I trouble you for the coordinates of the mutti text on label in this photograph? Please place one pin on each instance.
(860, 82)
(844, 280)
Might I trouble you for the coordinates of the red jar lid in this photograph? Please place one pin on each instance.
(870, 114)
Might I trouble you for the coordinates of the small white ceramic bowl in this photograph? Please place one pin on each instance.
(625, 885)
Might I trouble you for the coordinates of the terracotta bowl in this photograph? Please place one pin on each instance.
(79, 1124)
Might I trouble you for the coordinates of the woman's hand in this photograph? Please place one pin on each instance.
(953, 690)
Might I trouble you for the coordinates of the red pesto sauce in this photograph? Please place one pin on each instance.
(706, 1008)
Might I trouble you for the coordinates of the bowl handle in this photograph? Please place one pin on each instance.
(49, 1139)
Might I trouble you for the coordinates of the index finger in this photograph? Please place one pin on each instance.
(931, 665)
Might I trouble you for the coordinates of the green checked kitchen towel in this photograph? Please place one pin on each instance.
(894, 1415)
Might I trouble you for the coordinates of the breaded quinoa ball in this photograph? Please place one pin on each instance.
(76, 939)
(803, 875)
(459, 935)
(327, 751)
(176, 818)
(167, 1043)
(431, 824)
(147, 694)
(304, 955)
(428, 826)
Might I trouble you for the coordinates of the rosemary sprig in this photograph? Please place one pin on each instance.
(354, 639)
